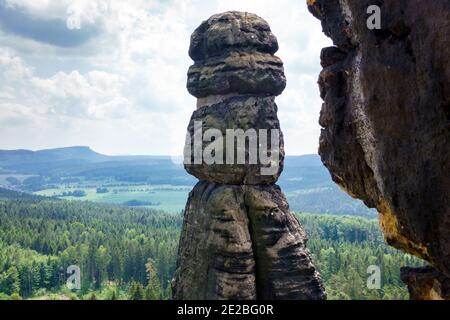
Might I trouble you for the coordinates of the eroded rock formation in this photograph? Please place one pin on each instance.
(385, 120)
(426, 283)
(239, 239)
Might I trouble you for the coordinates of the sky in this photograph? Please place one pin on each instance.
(111, 74)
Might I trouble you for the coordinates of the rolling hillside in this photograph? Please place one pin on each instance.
(305, 180)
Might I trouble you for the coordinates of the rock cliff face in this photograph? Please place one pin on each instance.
(385, 120)
(239, 239)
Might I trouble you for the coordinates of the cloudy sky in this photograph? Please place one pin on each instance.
(111, 74)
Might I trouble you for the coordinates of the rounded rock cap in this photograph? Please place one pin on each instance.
(234, 54)
(234, 31)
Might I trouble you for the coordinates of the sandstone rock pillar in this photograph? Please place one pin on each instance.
(385, 118)
(239, 239)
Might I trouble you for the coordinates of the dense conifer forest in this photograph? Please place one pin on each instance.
(130, 253)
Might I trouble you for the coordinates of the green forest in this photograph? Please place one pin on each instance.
(130, 253)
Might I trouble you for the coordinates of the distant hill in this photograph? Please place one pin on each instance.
(17, 157)
(12, 194)
(72, 161)
(305, 180)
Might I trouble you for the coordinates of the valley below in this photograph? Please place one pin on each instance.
(79, 173)
(118, 219)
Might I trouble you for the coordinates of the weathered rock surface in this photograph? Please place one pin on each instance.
(426, 283)
(238, 112)
(242, 242)
(386, 116)
(237, 72)
(233, 53)
(284, 268)
(232, 31)
(239, 239)
(215, 258)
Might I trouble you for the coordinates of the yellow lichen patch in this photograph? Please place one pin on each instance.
(427, 290)
(310, 2)
(391, 230)
(388, 221)
(344, 188)
(340, 183)
(434, 295)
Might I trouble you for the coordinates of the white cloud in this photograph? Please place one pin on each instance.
(89, 11)
(131, 96)
(96, 94)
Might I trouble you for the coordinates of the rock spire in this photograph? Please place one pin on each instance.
(239, 239)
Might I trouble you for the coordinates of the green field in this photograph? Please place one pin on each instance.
(168, 198)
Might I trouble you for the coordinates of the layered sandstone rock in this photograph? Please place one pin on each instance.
(426, 283)
(239, 239)
(386, 118)
(245, 112)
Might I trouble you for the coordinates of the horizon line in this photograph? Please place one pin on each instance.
(120, 154)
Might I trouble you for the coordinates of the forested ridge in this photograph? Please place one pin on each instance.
(127, 253)
(344, 247)
(40, 239)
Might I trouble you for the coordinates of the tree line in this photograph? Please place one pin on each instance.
(130, 253)
(40, 239)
